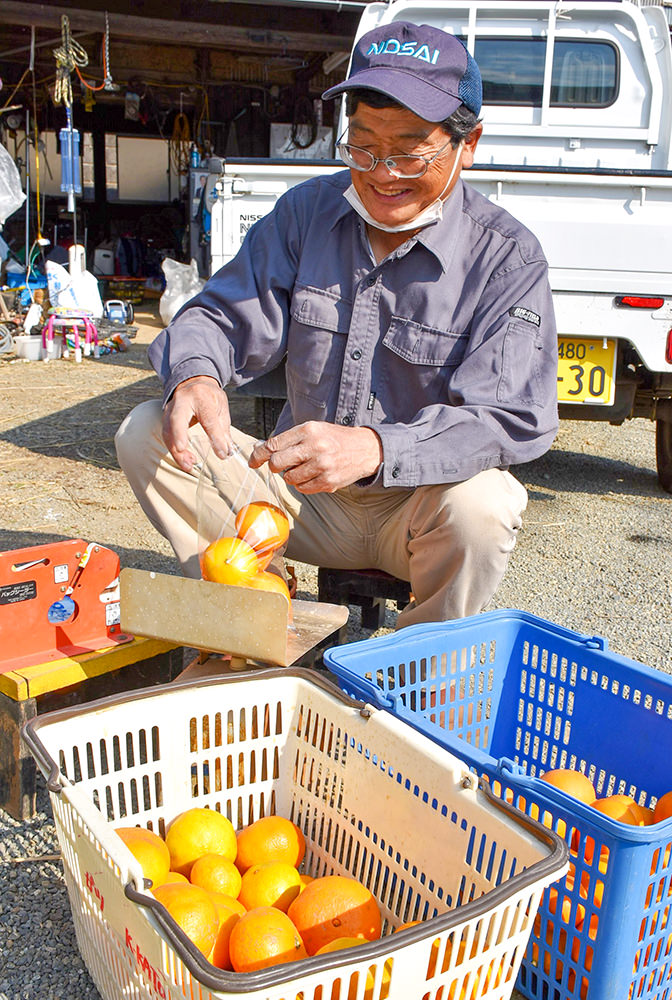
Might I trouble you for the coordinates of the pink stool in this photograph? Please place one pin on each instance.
(64, 319)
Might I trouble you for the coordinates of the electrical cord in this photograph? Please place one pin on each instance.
(304, 115)
(6, 340)
(179, 144)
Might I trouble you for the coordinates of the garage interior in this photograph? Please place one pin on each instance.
(157, 93)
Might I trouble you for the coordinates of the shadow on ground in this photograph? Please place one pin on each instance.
(579, 472)
(134, 558)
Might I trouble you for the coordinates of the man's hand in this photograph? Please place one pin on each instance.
(197, 400)
(318, 457)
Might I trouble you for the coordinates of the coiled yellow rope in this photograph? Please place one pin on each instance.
(69, 55)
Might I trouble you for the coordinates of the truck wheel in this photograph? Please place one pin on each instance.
(664, 453)
(267, 411)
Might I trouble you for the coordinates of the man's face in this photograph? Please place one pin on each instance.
(386, 131)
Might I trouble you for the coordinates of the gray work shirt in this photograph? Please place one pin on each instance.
(447, 347)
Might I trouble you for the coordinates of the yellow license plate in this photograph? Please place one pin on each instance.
(586, 370)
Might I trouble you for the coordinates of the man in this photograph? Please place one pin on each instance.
(417, 325)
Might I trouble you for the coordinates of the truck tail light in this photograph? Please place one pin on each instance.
(668, 348)
(640, 301)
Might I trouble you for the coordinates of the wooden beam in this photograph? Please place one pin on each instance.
(165, 32)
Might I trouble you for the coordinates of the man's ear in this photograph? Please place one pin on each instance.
(469, 147)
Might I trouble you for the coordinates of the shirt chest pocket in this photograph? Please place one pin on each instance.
(419, 344)
(317, 334)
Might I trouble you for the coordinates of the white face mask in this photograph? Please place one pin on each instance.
(429, 214)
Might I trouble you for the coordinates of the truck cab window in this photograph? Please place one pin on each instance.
(585, 73)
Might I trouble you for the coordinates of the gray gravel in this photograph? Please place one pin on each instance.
(595, 554)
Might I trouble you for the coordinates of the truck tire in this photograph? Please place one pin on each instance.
(664, 453)
(267, 411)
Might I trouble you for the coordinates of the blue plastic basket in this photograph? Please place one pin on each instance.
(515, 695)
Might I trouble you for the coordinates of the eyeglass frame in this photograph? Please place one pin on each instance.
(385, 159)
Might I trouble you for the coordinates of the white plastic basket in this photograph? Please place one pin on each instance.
(375, 799)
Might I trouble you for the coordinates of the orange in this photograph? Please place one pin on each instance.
(174, 877)
(262, 937)
(274, 883)
(193, 911)
(224, 902)
(305, 880)
(263, 526)
(149, 850)
(229, 560)
(643, 814)
(216, 874)
(335, 906)
(272, 582)
(228, 915)
(620, 807)
(663, 808)
(271, 838)
(196, 832)
(353, 942)
(573, 783)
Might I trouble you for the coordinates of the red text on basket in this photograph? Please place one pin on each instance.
(148, 970)
(93, 889)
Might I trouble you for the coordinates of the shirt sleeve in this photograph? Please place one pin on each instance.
(235, 329)
(501, 403)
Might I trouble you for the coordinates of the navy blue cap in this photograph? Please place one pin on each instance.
(425, 69)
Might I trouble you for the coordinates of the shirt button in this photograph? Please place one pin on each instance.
(356, 354)
(347, 419)
(396, 472)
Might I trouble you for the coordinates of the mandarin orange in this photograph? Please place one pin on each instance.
(273, 883)
(229, 560)
(263, 937)
(573, 783)
(149, 850)
(216, 874)
(335, 906)
(199, 831)
(193, 911)
(271, 838)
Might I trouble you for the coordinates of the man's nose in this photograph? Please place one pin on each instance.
(382, 171)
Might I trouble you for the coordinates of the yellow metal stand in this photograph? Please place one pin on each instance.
(46, 687)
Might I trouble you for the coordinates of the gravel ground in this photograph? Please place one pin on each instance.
(595, 554)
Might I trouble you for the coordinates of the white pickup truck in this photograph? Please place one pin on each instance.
(577, 115)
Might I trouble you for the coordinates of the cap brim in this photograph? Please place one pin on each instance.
(423, 99)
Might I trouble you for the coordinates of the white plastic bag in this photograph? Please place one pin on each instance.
(11, 195)
(79, 291)
(182, 283)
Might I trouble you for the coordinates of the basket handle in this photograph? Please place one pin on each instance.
(507, 766)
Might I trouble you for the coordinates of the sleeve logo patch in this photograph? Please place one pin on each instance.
(520, 312)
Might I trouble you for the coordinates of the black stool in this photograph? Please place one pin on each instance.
(367, 588)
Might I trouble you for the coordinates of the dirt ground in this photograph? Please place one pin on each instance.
(59, 476)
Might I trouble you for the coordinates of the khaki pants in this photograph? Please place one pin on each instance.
(452, 542)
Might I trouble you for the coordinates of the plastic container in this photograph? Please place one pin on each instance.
(30, 347)
(515, 696)
(375, 800)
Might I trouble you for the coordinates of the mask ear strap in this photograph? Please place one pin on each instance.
(456, 161)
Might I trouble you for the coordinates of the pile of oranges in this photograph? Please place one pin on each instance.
(242, 560)
(241, 898)
(587, 888)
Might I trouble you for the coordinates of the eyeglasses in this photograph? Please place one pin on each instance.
(401, 165)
